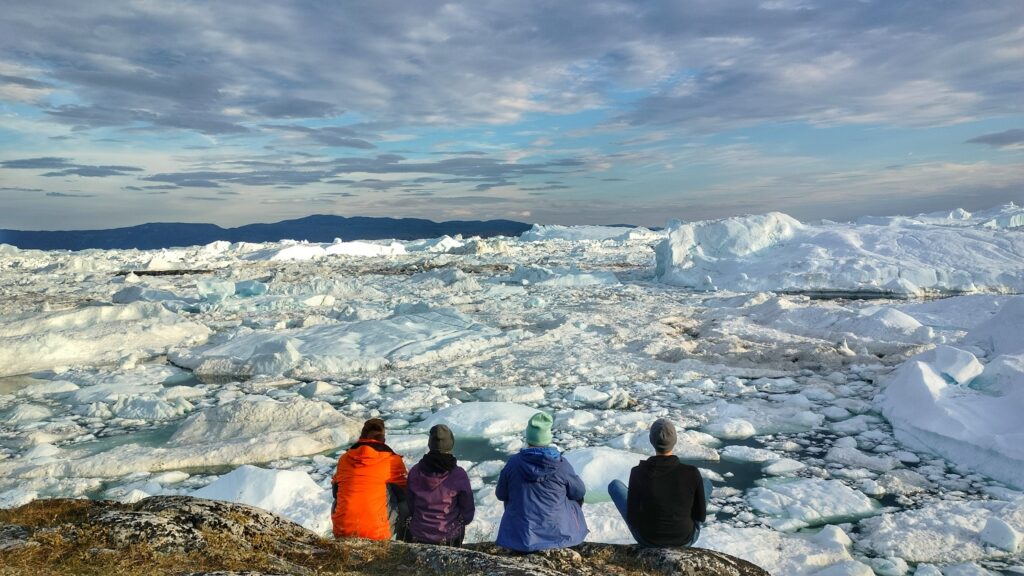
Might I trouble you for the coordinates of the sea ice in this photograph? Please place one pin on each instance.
(247, 430)
(1001, 334)
(542, 232)
(802, 502)
(291, 494)
(976, 426)
(598, 466)
(91, 335)
(483, 419)
(940, 533)
(779, 552)
(326, 350)
(740, 420)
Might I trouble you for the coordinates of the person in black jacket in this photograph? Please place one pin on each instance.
(666, 500)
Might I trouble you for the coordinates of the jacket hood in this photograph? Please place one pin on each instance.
(368, 452)
(434, 463)
(539, 463)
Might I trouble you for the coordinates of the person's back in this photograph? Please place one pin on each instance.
(543, 496)
(665, 498)
(440, 496)
(360, 486)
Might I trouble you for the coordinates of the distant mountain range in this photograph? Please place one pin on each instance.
(316, 228)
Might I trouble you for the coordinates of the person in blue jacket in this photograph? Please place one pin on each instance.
(543, 496)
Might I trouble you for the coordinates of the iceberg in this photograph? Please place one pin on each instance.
(92, 335)
(943, 401)
(775, 252)
(290, 493)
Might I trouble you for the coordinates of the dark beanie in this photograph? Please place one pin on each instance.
(373, 429)
(663, 435)
(441, 439)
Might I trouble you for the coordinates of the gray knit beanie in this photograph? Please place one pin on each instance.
(663, 435)
(441, 439)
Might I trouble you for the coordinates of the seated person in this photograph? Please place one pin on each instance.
(666, 500)
(440, 499)
(543, 496)
(368, 487)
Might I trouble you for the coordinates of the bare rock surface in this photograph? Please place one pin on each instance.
(227, 539)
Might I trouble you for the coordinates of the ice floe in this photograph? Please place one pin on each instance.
(803, 502)
(944, 532)
(92, 335)
(251, 429)
(483, 419)
(369, 345)
(943, 401)
(290, 493)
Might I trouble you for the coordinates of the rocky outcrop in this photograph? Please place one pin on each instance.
(184, 535)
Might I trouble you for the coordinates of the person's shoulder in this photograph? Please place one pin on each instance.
(689, 469)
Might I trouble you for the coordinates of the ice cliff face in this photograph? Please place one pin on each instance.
(899, 256)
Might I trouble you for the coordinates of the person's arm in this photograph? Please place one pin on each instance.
(334, 496)
(575, 489)
(410, 496)
(699, 513)
(398, 475)
(501, 492)
(464, 499)
(634, 502)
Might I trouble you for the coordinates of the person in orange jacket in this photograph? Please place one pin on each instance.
(369, 482)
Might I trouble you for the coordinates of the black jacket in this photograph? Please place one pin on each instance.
(665, 498)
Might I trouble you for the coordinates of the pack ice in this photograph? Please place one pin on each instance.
(92, 335)
(404, 339)
(844, 436)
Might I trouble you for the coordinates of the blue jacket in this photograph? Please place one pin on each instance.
(543, 499)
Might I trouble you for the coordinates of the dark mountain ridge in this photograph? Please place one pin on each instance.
(315, 228)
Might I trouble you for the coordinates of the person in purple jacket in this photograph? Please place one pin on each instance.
(440, 498)
(543, 496)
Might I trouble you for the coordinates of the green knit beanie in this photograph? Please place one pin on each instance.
(538, 431)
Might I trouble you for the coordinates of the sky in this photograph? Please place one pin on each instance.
(117, 113)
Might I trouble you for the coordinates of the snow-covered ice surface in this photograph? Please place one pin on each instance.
(956, 253)
(842, 435)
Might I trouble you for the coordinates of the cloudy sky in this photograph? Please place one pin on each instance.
(117, 113)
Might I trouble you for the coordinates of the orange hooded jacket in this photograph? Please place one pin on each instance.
(361, 501)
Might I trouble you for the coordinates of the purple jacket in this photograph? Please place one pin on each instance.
(440, 499)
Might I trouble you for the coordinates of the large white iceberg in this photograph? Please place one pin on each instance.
(251, 429)
(290, 493)
(329, 349)
(92, 335)
(942, 401)
(775, 252)
(782, 553)
(541, 232)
